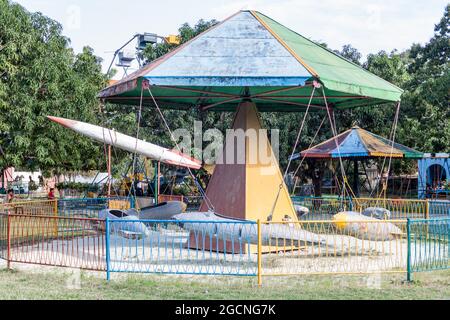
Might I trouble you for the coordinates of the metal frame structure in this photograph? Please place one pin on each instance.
(68, 240)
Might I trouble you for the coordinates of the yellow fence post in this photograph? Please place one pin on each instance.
(427, 216)
(259, 253)
(55, 214)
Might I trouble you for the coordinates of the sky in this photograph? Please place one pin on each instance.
(368, 25)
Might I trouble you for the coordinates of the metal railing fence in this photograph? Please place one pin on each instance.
(238, 248)
(429, 245)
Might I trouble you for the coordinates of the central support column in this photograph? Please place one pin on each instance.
(246, 180)
(245, 183)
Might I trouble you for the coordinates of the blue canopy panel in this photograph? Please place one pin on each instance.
(352, 146)
(228, 81)
(240, 52)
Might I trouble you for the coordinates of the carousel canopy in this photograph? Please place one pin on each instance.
(250, 56)
(358, 143)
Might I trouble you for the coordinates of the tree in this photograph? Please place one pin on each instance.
(427, 112)
(40, 76)
(185, 33)
(350, 53)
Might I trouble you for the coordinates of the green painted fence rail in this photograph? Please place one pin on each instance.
(428, 245)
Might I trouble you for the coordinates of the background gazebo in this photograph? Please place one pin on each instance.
(356, 145)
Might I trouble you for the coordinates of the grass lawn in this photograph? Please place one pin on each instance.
(64, 284)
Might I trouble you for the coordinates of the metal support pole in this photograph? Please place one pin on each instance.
(109, 171)
(55, 214)
(259, 253)
(8, 254)
(159, 182)
(156, 182)
(408, 262)
(107, 241)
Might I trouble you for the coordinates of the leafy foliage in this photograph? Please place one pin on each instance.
(40, 75)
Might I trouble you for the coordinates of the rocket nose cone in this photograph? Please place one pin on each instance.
(62, 121)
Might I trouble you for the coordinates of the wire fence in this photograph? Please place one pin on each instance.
(439, 209)
(90, 207)
(322, 208)
(72, 207)
(398, 208)
(182, 247)
(55, 241)
(333, 247)
(3, 236)
(32, 207)
(429, 244)
(75, 237)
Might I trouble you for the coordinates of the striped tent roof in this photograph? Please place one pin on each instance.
(356, 143)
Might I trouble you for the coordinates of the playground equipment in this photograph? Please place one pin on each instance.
(122, 141)
(434, 175)
(69, 233)
(250, 63)
(132, 229)
(356, 224)
(218, 228)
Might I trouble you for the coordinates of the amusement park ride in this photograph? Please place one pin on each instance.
(249, 64)
(125, 58)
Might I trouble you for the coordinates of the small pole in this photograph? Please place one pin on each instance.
(427, 216)
(159, 186)
(156, 183)
(259, 254)
(108, 273)
(109, 171)
(408, 262)
(8, 254)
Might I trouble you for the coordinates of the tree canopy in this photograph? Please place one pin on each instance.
(41, 75)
